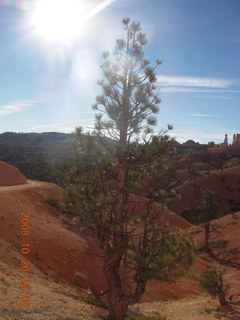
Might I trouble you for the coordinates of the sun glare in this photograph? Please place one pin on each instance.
(59, 20)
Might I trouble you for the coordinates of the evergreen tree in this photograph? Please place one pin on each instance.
(207, 211)
(135, 246)
(213, 282)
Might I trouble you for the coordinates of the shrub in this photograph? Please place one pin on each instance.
(212, 281)
(214, 244)
(218, 244)
(93, 302)
(234, 250)
(197, 231)
(52, 202)
(200, 247)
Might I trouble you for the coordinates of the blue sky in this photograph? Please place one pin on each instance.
(49, 84)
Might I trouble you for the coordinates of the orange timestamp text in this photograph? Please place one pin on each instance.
(25, 263)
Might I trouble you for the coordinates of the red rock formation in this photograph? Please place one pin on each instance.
(10, 176)
(236, 139)
(225, 147)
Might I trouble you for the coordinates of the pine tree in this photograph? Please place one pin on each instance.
(213, 282)
(207, 211)
(135, 246)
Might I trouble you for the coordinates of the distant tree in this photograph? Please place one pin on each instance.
(212, 281)
(135, 247)
(207, 211)
(204, 214)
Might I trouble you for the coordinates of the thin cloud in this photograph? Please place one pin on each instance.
(62, 125)
(202, 115)
(8, 109)
(214, 97)
(18, 106)
(194, 82)
(195, 90)
(13, 108)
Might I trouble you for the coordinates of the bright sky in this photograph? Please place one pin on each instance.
(50, 55)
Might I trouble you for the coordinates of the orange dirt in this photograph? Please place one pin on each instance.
(10, 176)
(55, 250)
(57, 254)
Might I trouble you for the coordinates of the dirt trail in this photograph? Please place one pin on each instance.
(30, 184)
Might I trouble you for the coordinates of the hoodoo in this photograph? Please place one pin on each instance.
(233, 148)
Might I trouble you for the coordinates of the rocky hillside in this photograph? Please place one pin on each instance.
(63, 263)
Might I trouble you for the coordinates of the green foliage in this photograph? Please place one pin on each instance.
(200, 248)
(235, 205)
(207, 209)
(213, 244)
(52, 202)
(234, 250)
(212, 281)
(39, 156)
(167, 254)
(98, 195)
(197, 231)
(206, 258)
(208, 310)
(191, 215)
(204, 207)
(129, 96)
(94, 302)
(218, 244)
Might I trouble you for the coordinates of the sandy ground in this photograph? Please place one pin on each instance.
(48, 300)
(51, 300)
(197, 308)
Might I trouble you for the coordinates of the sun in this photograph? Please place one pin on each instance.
(58, 20)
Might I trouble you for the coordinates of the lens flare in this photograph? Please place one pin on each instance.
(18, 4)
(59, 20)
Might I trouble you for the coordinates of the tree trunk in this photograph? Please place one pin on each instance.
(117, 302)
(222, 299)
(117, 310)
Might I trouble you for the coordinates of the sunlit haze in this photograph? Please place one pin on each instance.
(58, 20)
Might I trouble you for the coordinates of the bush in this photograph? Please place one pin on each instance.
(214, 244)
(212, 281)
(218, 244)
(52, 202)
(197, 231)
(234, 250)
(93, 302)
(200, 247)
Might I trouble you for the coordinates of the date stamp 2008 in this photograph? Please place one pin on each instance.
(25, 263)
